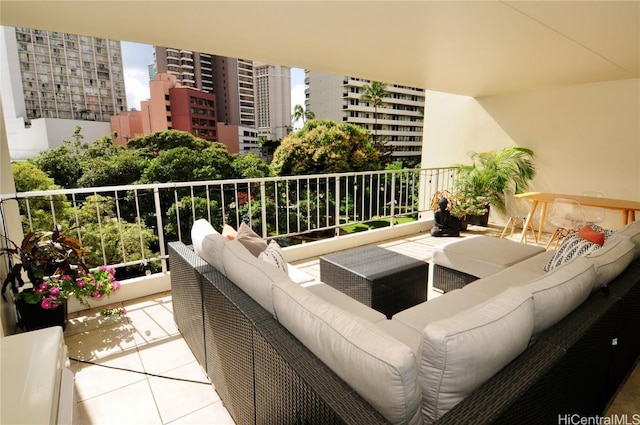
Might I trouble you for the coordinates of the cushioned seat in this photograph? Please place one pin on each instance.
(462, 261)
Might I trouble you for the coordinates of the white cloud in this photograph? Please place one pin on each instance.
(136, 81)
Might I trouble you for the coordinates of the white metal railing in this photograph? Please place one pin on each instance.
(131, 225)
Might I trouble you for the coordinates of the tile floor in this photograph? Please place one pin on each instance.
(147, 340)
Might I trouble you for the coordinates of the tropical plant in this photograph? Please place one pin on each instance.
(299, 113)
(373, 94)
(492, 172)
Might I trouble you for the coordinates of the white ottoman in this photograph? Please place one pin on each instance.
(462, 261)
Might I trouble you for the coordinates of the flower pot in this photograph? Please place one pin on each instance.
(33, 316)
(479, 220)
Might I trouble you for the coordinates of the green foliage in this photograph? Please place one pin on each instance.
(187, 208)
(185, 164)
(159, 141)
(121, 240)
(299, 113)
(118, 167)
(324, 146)
(28, 177)
(250, 166)
(494, 171)
(63, 164)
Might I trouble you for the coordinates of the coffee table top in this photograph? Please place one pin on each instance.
(371, 262)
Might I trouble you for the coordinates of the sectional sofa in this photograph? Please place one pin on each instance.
(509, 347)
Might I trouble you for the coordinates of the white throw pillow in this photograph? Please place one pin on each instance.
(255, 277)
(377, 366)
(460, 353)
(559, 292)
(274, 256)
(208, 243)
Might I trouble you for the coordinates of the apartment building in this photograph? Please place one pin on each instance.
(272, 99)
(53, 81)
(230, 79)
(399, 120)
(171, 106)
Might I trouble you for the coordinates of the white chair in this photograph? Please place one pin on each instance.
(567, 215)
(517, 213)
(594, 214)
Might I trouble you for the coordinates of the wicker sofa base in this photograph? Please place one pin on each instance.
(446, 279)
(261, 372)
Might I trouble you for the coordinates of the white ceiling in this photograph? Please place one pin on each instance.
(475, 48)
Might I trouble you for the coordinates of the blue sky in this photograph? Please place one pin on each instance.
(136, 57)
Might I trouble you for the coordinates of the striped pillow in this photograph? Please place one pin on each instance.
(572, 246)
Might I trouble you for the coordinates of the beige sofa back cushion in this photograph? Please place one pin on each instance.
(377, 366)
(610, 260)
(252, 275)
(560, 291)
(460, 353)
(632, 231)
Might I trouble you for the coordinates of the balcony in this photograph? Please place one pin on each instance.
(147, 340)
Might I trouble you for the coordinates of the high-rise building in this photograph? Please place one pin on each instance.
(273, 100)
(230, 79)
(52, 82)
(399, 120)
(70, 76)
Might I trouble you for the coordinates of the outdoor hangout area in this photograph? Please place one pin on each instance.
(496, 282)
(260, 369)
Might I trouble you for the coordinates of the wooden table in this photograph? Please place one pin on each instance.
(627, 208)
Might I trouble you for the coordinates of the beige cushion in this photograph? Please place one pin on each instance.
(208, 243)
(482, 256)
(610, 260)
(402, 333)
(253, 276)
(250, 239)
(632, 231)
(456, 301)
(442, 307)
(274, 256)
(344, 301)
(377, 366)
(559, 292)
(460, 353)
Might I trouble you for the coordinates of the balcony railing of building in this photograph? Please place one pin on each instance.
(128, 227)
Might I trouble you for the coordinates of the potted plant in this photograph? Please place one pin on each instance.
(483, 182)
(460, 206)
(53, 262)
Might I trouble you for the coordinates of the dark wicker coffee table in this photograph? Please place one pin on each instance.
(384, 280)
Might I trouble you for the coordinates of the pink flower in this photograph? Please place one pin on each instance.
(54, 290)
(80, 282)
(96, 294)
(42, 286)
(46, 304)
(115, 285)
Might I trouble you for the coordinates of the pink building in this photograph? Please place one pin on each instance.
(171, 106)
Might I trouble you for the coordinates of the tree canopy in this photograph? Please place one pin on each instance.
(325, 146)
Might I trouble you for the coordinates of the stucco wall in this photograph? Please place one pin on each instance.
(586, 137)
